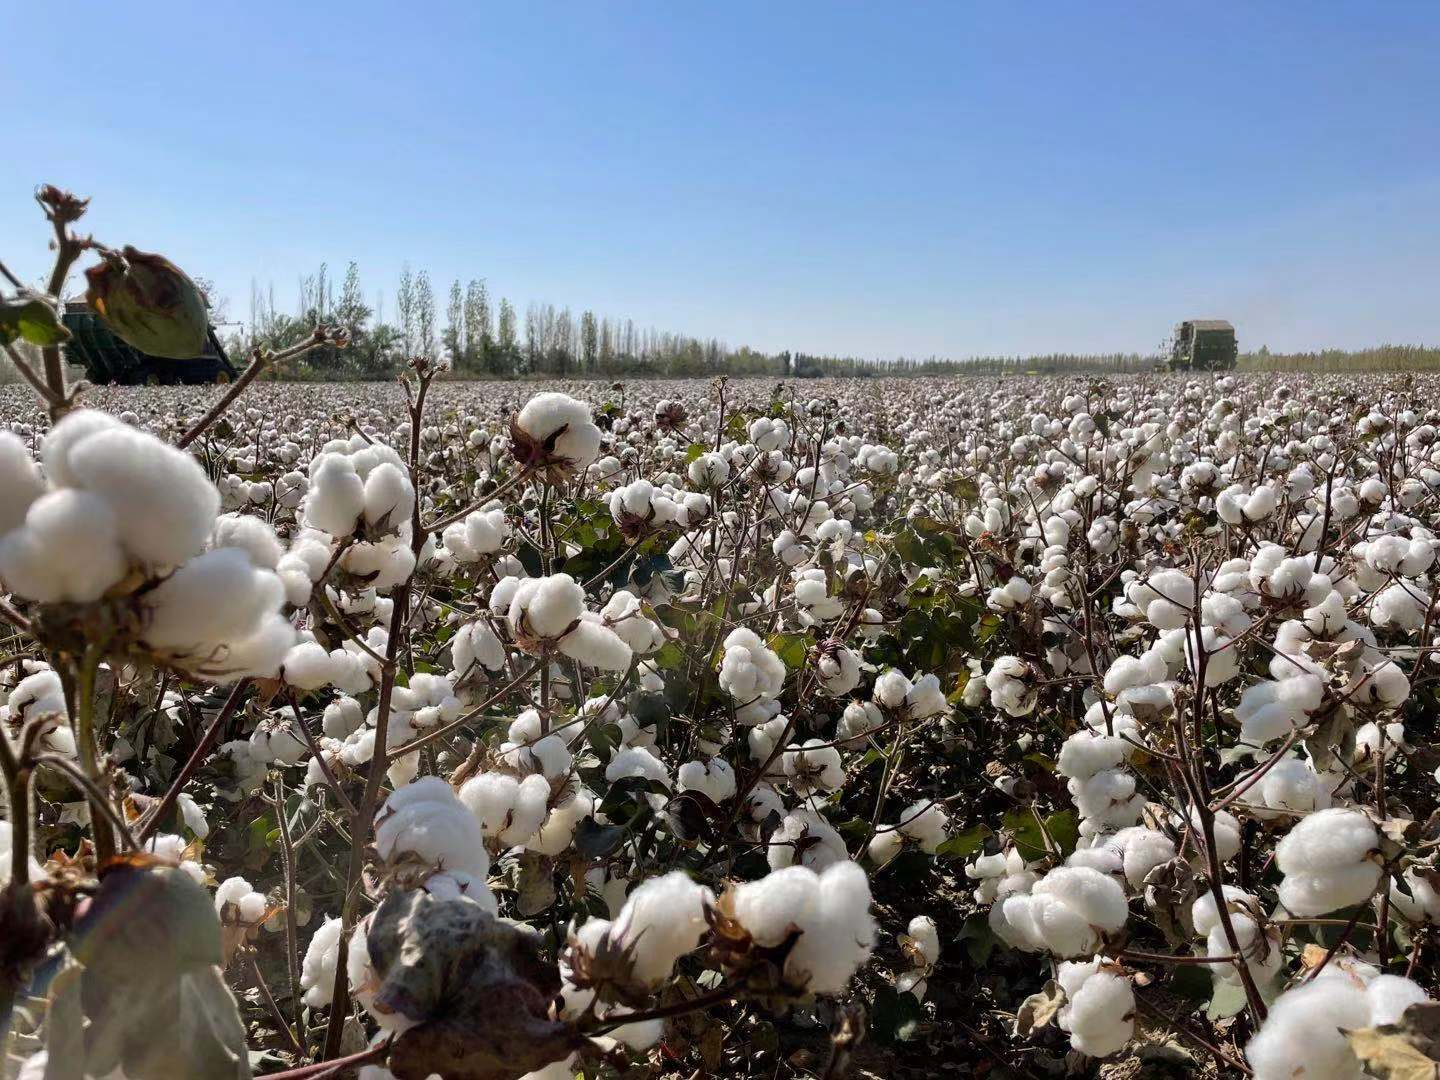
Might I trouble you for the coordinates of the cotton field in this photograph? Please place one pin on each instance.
(1014, 728)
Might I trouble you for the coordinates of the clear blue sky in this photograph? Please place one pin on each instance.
(877, 179)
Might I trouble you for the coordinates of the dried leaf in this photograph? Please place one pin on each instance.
(1407, 1050)
(1039, 1009)
(477, 987)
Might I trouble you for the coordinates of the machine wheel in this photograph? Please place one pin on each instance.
(222, 378)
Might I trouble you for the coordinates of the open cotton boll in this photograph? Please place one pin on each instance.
(251, 534)
(838, 668)
(1086, 754)
(564, 429)
(427, 821)
(713, 778)
(341, 717)
(336, 496)
(275, 741)
(622, 614)
(558, 830)
(1099, 1009)
(1141, 850)
(663, 919)
(20, 481)
(164, 504)
(1067, 911)
(838, 932)
(475, 649)
(218, 597)
(308, 666)
(749, 668)
(806, 838)
(389, 499)
(68, 549)
(924, 938)
(925, 823)
(1326, 860)
(317, 969)
(596, 645)
(508, 810)
(1419, 899)
(249, 906)
(1302, 1036)
(814, 766)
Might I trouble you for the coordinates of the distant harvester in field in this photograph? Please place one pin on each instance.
(1203, 345)
(107, 359)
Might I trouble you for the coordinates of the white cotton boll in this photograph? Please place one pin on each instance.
(1389, 996)
(307, 666)
(317, 969)
(164, 503)
(65, 436)
(926, 699)
(249, 905)
(806, 838)
(427, 820)
(341, 717)
(476, 648)
(1142, 850)
(1126, 672)
(925, 936)
(637, 761)
(67, 550)
(20, 482)
(838, 669)
(814, 766)
(623, 615)
(709, 470)
(1419, 900)
(749, 668)
(251, 534)
(1205, 915)
(1302, 1037)
(884, 846)
(1099, 1010)
(1399, 606)
(714, 779)
(1068, 910)
(383, 564)
(890, 689)
(1291, 785)
(389, 497)
(545, 415)
(532, 804)
(1326, 862)
(925, 823)
(217, 597)
(276, 741)
(336, 496)
(545, 607)
(664, 918)
(597, 646)
(859, 718)
(838, 933)
(1087, 753)
(772, 907)
(558, 829)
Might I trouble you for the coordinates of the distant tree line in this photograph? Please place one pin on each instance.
(486, 337)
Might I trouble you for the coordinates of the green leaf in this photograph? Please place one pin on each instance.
(964, 844)
(595, 841)
(33, 319)
(1228, 1000)
(895, 1017)
(791, 648)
